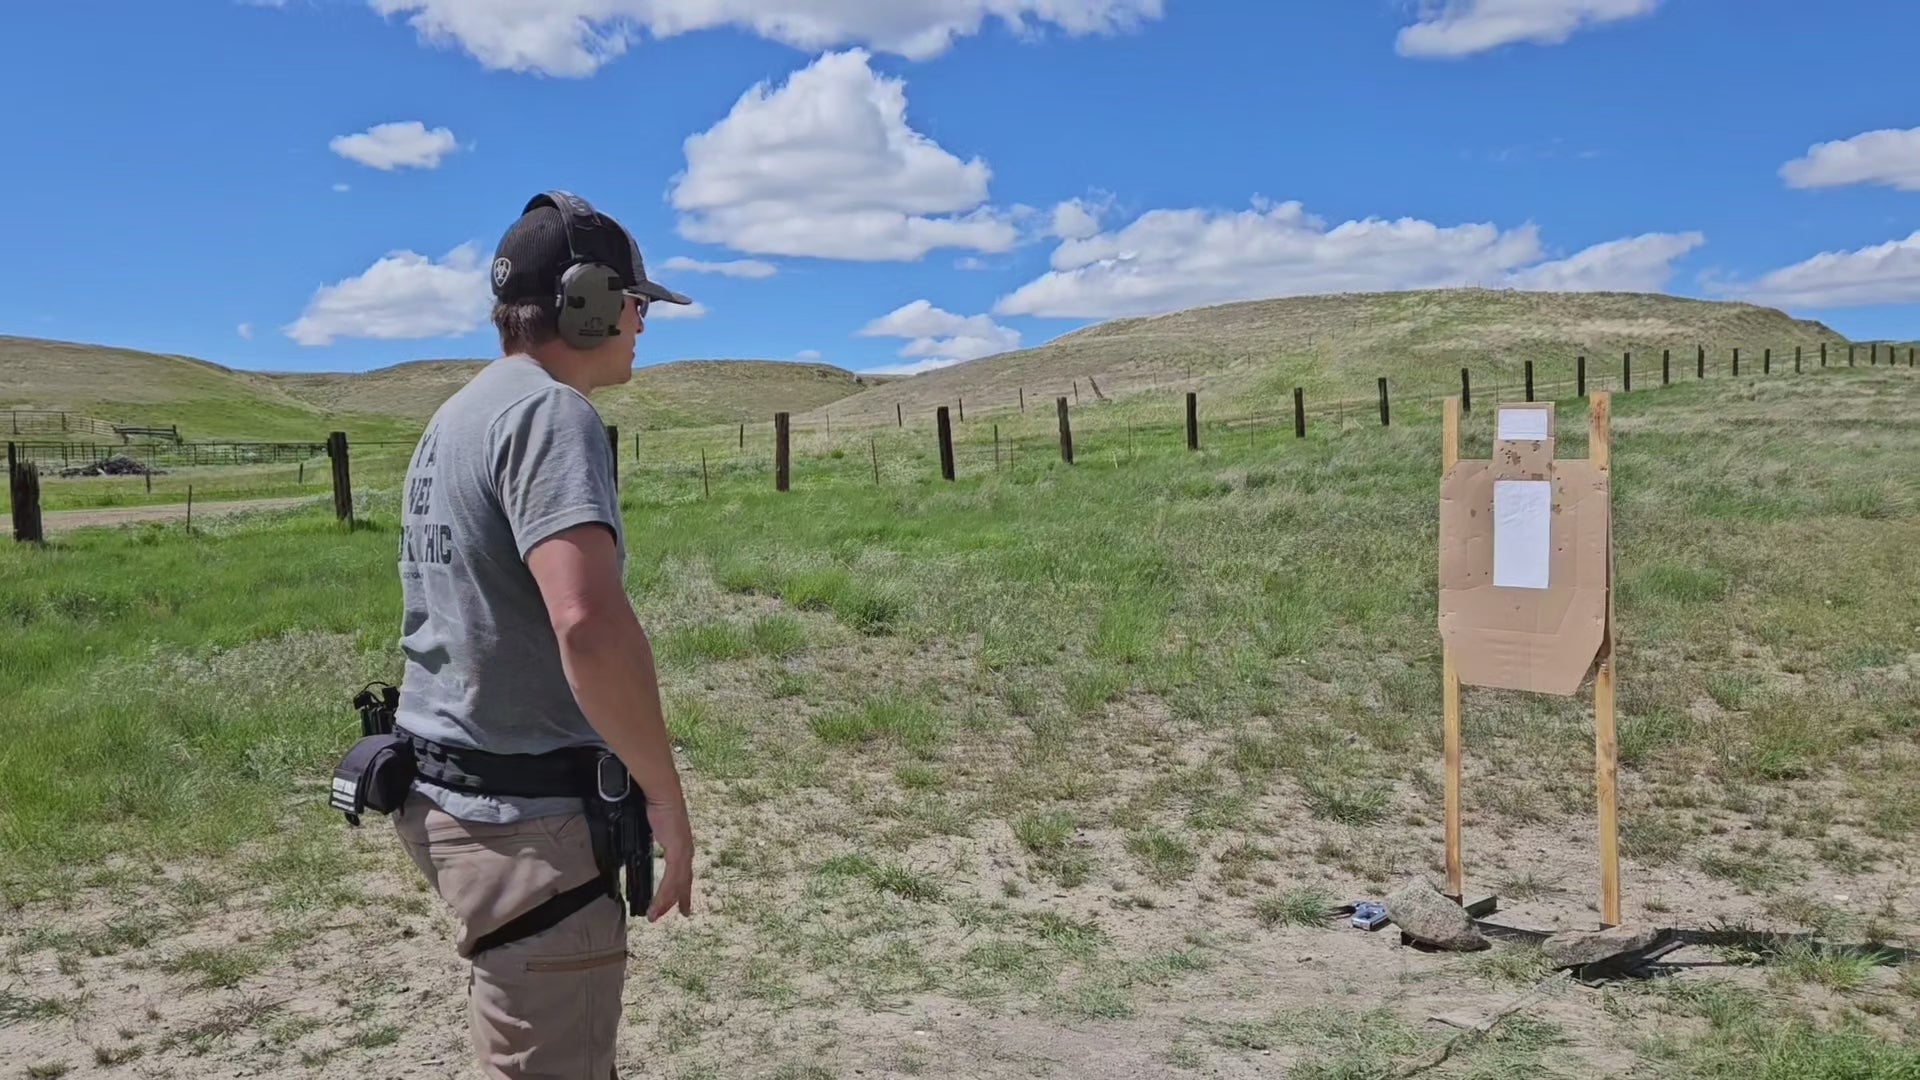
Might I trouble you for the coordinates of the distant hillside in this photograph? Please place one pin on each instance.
(682, 393)
(209, 401)
(1336, 346)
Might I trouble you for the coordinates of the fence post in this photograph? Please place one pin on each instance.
(1850, 349)
(1736, 363)
(706, 485)
(946, 443)
(613, 448)
(23, 486)
(1766, 362)
(1796, 359)
(996, 448)
(1666, 367)
(1823, 354)
(1626, 372)
(1700, 370)
(342, 477)
(1299, 413)
(1873, 354)
(1066, 430)
(1466, 391)
(963, 409)
(1076, 391)
(743, 436)
(1580, 376)
(1383, 401)
(873, 447)
(1529, 380)
(1193, 420)
(781, 460)
(1023, 399)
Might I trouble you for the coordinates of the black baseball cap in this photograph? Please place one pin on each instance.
(534, 252)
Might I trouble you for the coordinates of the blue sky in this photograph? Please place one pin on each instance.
(892, 184)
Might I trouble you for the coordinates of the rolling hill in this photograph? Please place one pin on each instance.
(209, 401)
(1251, 352)
(1337, 346)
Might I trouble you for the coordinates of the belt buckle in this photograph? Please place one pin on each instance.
(600, 778)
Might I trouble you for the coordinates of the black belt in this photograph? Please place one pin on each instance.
(379, 771)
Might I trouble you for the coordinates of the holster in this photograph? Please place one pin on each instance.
(379, 772)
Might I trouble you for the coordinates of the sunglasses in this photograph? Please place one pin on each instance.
(641, 303)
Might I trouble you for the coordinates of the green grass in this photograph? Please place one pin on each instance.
(943, 737)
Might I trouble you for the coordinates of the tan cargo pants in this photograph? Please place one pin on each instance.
(546, 1007)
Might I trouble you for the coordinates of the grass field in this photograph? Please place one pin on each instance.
(1049, 771)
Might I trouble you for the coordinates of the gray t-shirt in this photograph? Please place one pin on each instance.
(511, 459)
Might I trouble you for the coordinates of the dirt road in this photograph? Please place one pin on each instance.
(67, 520)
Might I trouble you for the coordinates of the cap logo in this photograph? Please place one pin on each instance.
(501, 268)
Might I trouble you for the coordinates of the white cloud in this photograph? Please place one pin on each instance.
(405, 144)
(826, 166)
(403, 296)
(807, 355)
(1887, 157)
(939, 338)
(1455, 28)
(1636, 264)
(1886, 273)
(739, 268)
(246, 331)
(343, 188)
(574, 38)
(1168, 260)
(672, 312)
(1075, 219)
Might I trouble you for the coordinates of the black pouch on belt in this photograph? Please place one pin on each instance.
(375, 775)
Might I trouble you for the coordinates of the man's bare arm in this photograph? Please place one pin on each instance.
(609, 664)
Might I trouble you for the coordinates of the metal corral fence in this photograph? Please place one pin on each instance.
(31, 422)
(167, 455)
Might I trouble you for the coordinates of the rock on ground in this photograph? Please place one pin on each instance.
(1425, 914)
(1573, 948)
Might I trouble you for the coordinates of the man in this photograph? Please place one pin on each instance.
(519, 639)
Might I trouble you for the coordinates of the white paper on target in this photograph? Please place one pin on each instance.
(1527, 425)
(1522, 532)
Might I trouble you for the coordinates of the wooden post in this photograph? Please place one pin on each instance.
(1299, 413)
(1466, 391)
(1066, 430)
(1823, 354)
(1023, 399)
(1450, 691)
(1626, 372)
(189, 507)
(302, 479)
(1383, 401)
(996, 448)
(1606, 742)
(1076, 391)
(946, 444)
(706, 485)
(963, 409)
(781, 451)
(1666, 367)
(873, 447)
(1766, 362)
(1873, 354)
(1850, 349)
(1529, 380)
(23, 486)
(613, 448)
(1193, 420)
(342, 477)
(743, 436)
(1580, 376)
(1700, 363)
(1796, 359)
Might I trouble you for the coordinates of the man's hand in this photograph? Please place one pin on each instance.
(674, 834)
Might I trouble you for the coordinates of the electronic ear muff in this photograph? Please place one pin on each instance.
(589, 296)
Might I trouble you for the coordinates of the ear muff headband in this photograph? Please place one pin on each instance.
(588, 297)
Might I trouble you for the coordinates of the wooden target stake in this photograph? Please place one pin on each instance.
(1526, 597)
